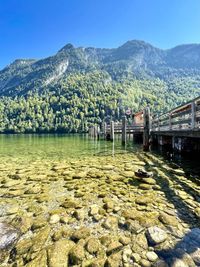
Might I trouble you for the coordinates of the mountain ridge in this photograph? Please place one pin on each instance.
(130, 42)
(80, 86)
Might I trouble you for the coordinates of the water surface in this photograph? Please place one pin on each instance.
(58, 189)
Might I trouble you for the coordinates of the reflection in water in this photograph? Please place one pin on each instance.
(32, 147)
(63, 182)
(189, 162)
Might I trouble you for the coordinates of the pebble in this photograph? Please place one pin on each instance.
(152, 256)
(155, 235)
(8, 235)
(54, 219)
(145, 263)
(136, 257)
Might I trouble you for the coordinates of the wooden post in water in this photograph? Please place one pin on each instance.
(112, 131)
(105, 130)
(146, 134)
(193, 114)
(170, 121)
(95, 132)
(124, 130)
(98, 132)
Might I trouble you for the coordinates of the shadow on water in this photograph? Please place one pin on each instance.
(189, 162)
(190, 243)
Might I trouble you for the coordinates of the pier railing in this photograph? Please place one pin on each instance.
(183, 118)
(118, 127)
(181, 121)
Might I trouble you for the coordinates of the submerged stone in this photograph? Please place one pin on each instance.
(77, 254)
(81, 233)
(156, 235)
(40, 238)
(58, 253)
(114, 247)
(41, 260)
(143, 200)
(8, 235)
(149, 181)
(93, 245)
(152, 256)
(55, 218)
(168, 219)
(143, 174)
(145, 186)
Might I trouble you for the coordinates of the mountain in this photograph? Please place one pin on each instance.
(133, 59)
(109, 80)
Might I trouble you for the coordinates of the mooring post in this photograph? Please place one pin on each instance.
(124, 130)
(94, 132)
(170, 121)
(158, 124)
(112, 131)
(146, 134)
(105, 130)
(98, 132)
(193, 114)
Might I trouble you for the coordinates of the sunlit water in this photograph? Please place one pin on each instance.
(58, 147)
(31, 147)
(71, 175)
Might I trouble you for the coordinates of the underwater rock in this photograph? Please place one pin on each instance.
(143, 174)
(168, 219)
(156, 235)
(114, 247)
(58, 253)
(8, 235)
(152, 256)
(93, 245)
(150, 181)
(76, 254)
(81, 233)
(55, 218)
(41, 260)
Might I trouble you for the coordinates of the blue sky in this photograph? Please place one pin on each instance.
(38, 28)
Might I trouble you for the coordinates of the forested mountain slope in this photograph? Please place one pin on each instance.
(80, 86)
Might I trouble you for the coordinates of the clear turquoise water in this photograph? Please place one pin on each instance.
(31, 147)
(53, 146)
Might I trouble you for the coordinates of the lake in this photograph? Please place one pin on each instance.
(74, 201)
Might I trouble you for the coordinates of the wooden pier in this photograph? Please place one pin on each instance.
(178, 127)
(183, 121)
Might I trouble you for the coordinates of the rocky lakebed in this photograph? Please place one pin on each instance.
(96, 211)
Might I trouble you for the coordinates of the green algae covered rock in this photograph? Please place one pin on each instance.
(111, 222)
(143, 200)
(156, 235)
(114, 247)
(71, 203)
(81, 233)
(39, 223)
(145, 186)
(93, 245)
(40, 260)
(168, 219)
(149, 181)
(58, 253)
(76, 254)
(40, 238)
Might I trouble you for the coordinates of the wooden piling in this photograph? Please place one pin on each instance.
(146, 134)
(95, 132)
(170, 121)
(193, 114)
(105, 130)
(112, 131)
(124, 130)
